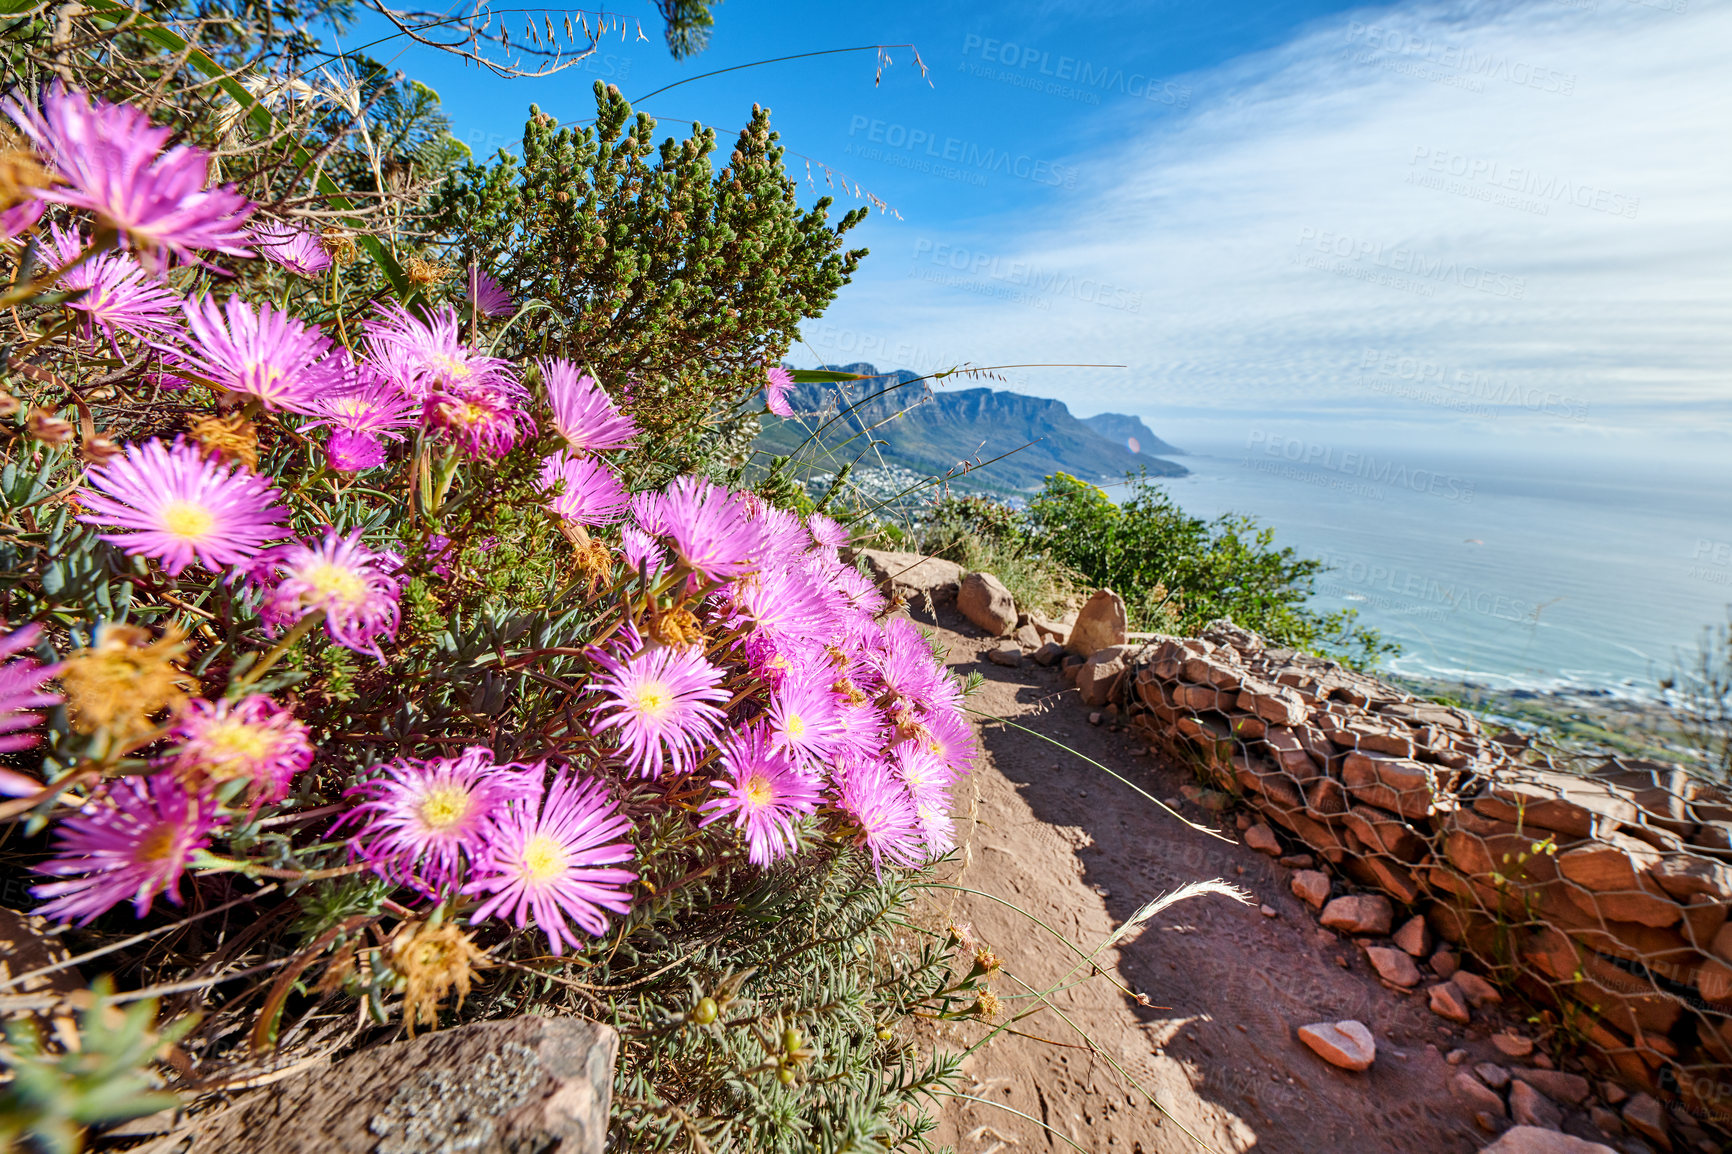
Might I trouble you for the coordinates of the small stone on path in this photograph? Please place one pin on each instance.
(1009, 654)
(1447, 1002)
(1492, 1075)
(1647, 1117)
(1513, 1045)
(1529, 1107)
(1476, 989)
(1393, 966)
(1455, 1057)
(1049, 654)
(1533, 1140)
(1347, 1044)
(1262, 839)
(1445, 963)
(1557, 1085)
(1298, 861)
(1414, 936)
(1268, 911)
(1359, 914)
(1475, 1093)
(1312, 886)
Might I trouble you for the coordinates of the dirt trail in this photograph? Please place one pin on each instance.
(1228, 985)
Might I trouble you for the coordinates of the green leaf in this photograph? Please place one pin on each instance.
(823, 377)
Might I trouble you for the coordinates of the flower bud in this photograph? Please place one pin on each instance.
(706, 1011)
(46, 427)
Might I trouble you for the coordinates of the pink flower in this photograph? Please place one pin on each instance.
(764, 794)
(21, 218)
(582, 412)
(803, 719)
(589, 493)
(486, 296)
(421, 820)
(709, 526)
(254, 739)
(133, 840)
(785, 607)
(883, 812)
(950, 738)
(360, 419)
(662, 701)
(295, 249)
(267, 355)
(776, 388)
(551, 862)
(351, 452)
(486, 420)
(21, 682)
(182, 507)
(355, 586)
(422, 357)
(113, 163)
(912, 675)
(827, 532)
(114, 292)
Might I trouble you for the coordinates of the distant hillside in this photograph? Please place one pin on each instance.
(937, 430)
(1123, 429)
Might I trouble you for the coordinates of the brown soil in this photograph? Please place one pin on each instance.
(1227, 986)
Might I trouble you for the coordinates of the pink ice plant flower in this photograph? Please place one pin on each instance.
(357, 587)
(430, 356)
(130, 842)
(589, 493)
(181, 507)
(709, 527)
(253, 739)
(295, 249)
(115, 295)
(803, 719)
(555, 862)
(776, 385)
(280, 361)
(486, 296)
(21, 682)
(360, 420)
(763, 793)
(882, 810)
(827, 532)
(486, 420)
(419, 822)
(21, 218)
(112, 161)
(663, 703)
(583, 413)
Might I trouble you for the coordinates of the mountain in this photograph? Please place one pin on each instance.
(1124, 429)
(932, 432)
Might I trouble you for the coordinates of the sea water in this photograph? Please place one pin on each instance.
(1545, 575)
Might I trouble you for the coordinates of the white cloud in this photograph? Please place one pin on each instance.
(1534, 202)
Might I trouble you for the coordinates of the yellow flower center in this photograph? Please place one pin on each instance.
(186, 520)
(543, 858)
(444, 807)
(795, 726)
(157, 844)
(759, 792)
(335, 583)
(235, 741)
(653, 699)
(449, 368)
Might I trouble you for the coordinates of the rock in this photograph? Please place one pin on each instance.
(1049, 654)
(1613, 1093)
(1262, 839)
(1513, 1045)
(1492, 1075)
(1297, 861)
(1102, 622)
(1393, 966)
(1028, 637)
(1534, 1140)
(1529, 1107)
(1647, 1117)
(1048, 628)
(1312, 887)
(1269, 911)
(1556, 1085)
(1444, 963)
(1095, 717)
(1476, 989)
(1414, 936)
(526, 1083)
(908, 575)
(1398, 784)
(1101, 672)
(1447, 1002)
(1564, 803)
(1606, 1121)
(984, 600)
(1455, 1057)
(1068, 670)
(1360, 914)
(1347, 1044)
(1474, 1092)
(1009, 654)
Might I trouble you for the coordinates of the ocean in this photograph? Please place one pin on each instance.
(1548, 575)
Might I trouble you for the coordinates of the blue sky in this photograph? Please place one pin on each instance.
(1496, 225)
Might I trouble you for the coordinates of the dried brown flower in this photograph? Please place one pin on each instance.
(986, 1005)
(678, 629)
(9, 405)
(228, 439)
(432, 959)
(100, 449)
(425, 274)
(46, 427)
(340, 243)
(125, 680)
(21, 172)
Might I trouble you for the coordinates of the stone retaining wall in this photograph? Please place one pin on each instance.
(1599, 889)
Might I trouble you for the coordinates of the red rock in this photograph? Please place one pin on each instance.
(1393, 966)
(1647, 1117)
(1529, 1107)
(1444, 963)
(1556, 1085)
(1415, 936)
(1312, 887)
(1101, 623)
(1533, 1140)
(1475, 1093)
(1513, 1045)
(1360, 914)
(984, 600)
(1262, 839)
(1477, 990)
(1346, 1044)
(1447, 1002)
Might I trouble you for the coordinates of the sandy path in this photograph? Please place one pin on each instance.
(1229, 986)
